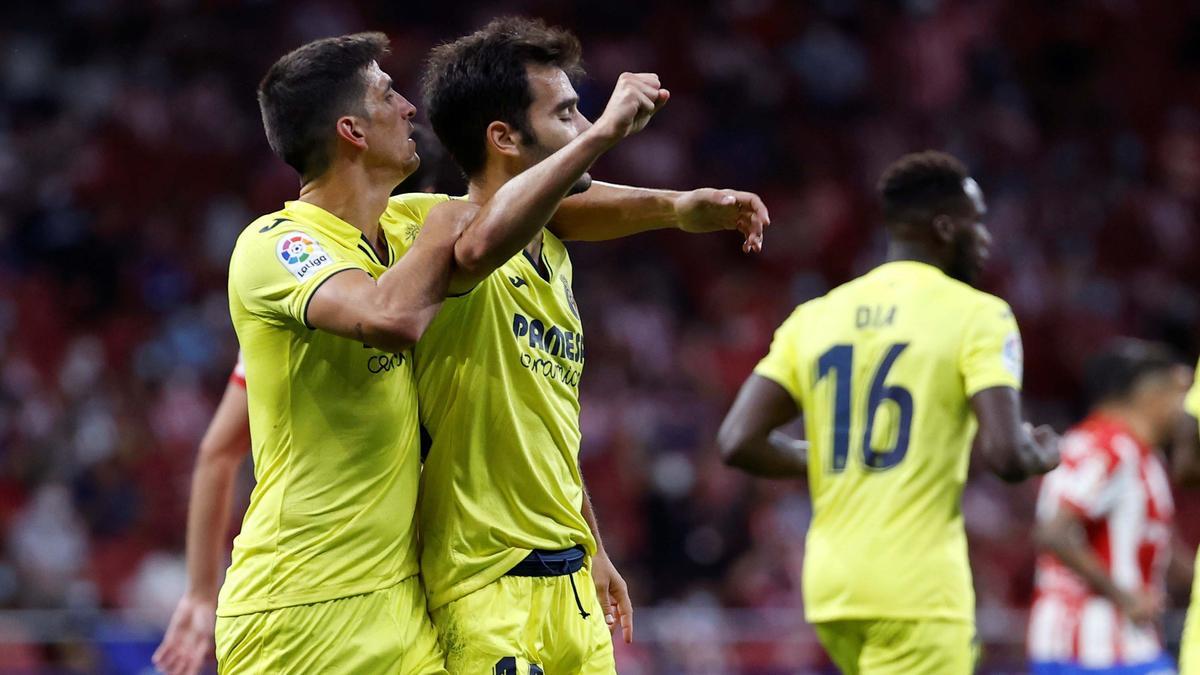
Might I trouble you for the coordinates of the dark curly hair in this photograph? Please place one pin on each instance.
(480, 78)
(920, 185)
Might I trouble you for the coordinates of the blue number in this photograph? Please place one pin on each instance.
(840, 358)
(903, 399)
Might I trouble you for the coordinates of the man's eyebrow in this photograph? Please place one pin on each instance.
(566, 103)
(389, 83)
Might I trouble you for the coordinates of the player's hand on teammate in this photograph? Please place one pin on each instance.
(634, 101)
(614, 596)
(1144, 607)
(710, 210)
(189, 638)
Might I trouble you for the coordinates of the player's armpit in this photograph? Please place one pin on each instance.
(761, 406)
(1009, 448)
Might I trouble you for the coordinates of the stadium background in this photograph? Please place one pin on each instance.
(131, 154)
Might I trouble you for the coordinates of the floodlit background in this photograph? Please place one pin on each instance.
(131, 155)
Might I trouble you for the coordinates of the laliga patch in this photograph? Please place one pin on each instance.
(301, 255)
(1014, 355)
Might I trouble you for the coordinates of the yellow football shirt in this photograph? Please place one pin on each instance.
(883, 369)
(333, 424)
(1191, 404)
(498, 380)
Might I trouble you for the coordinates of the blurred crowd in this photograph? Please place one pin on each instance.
(131, 155)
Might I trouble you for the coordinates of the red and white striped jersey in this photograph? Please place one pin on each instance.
(238, 376)
(1119, 488)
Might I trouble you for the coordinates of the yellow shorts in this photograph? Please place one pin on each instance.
(903, 647)
(1189, 646)
(526, 626)
(386, 631)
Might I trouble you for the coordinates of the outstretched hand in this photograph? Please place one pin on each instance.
(710, 210)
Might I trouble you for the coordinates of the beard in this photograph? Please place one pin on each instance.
(964, 266)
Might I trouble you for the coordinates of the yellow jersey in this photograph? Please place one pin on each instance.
(883, 368)
(498, 375)
(333, 424)
(1191, 404)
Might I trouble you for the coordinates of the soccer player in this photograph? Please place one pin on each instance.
(226, 443)
(324, 572)
(895, 372)
(1186, 460)
(1105, 522)
(512, 559)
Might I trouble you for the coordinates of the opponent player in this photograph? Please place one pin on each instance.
(323, 577)
(189, 638)
(510, 545)
(895, 372)
(1105, 523)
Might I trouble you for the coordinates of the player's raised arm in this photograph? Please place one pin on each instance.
(189, 637)
(608, 211)
(745, 438)
(1008, 446)
(518, 210)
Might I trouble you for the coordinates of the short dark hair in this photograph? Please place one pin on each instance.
(306, 90)
(480, 78)
(918, 186)
(1113, 374)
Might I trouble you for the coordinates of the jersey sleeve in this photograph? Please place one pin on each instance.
(276, 274)
(238, 376)
(1192, 403)
(782, 362)
(1088, 479)
(992, 354)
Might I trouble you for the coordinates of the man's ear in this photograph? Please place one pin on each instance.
(943, 228)
(350, 129)
(503, 138)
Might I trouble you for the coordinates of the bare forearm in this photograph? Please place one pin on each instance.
(769, 456)
(607, 211)
(1089, 568)
(208, 520)
(522, 207)
(589, 515)
(410, 294)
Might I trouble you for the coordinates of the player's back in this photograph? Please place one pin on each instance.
(883, 368)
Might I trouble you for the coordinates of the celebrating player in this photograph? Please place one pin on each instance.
(324, 572)
(895, 372)
(1105, 522)
(511, 548)
(606, 212)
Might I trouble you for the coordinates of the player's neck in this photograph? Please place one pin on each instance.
(352, 196)
(904, 250)
(1135, 422)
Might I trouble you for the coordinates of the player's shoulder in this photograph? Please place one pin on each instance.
(413, 206)
(1092, 441)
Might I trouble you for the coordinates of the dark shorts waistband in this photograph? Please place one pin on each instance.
(549, 563)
